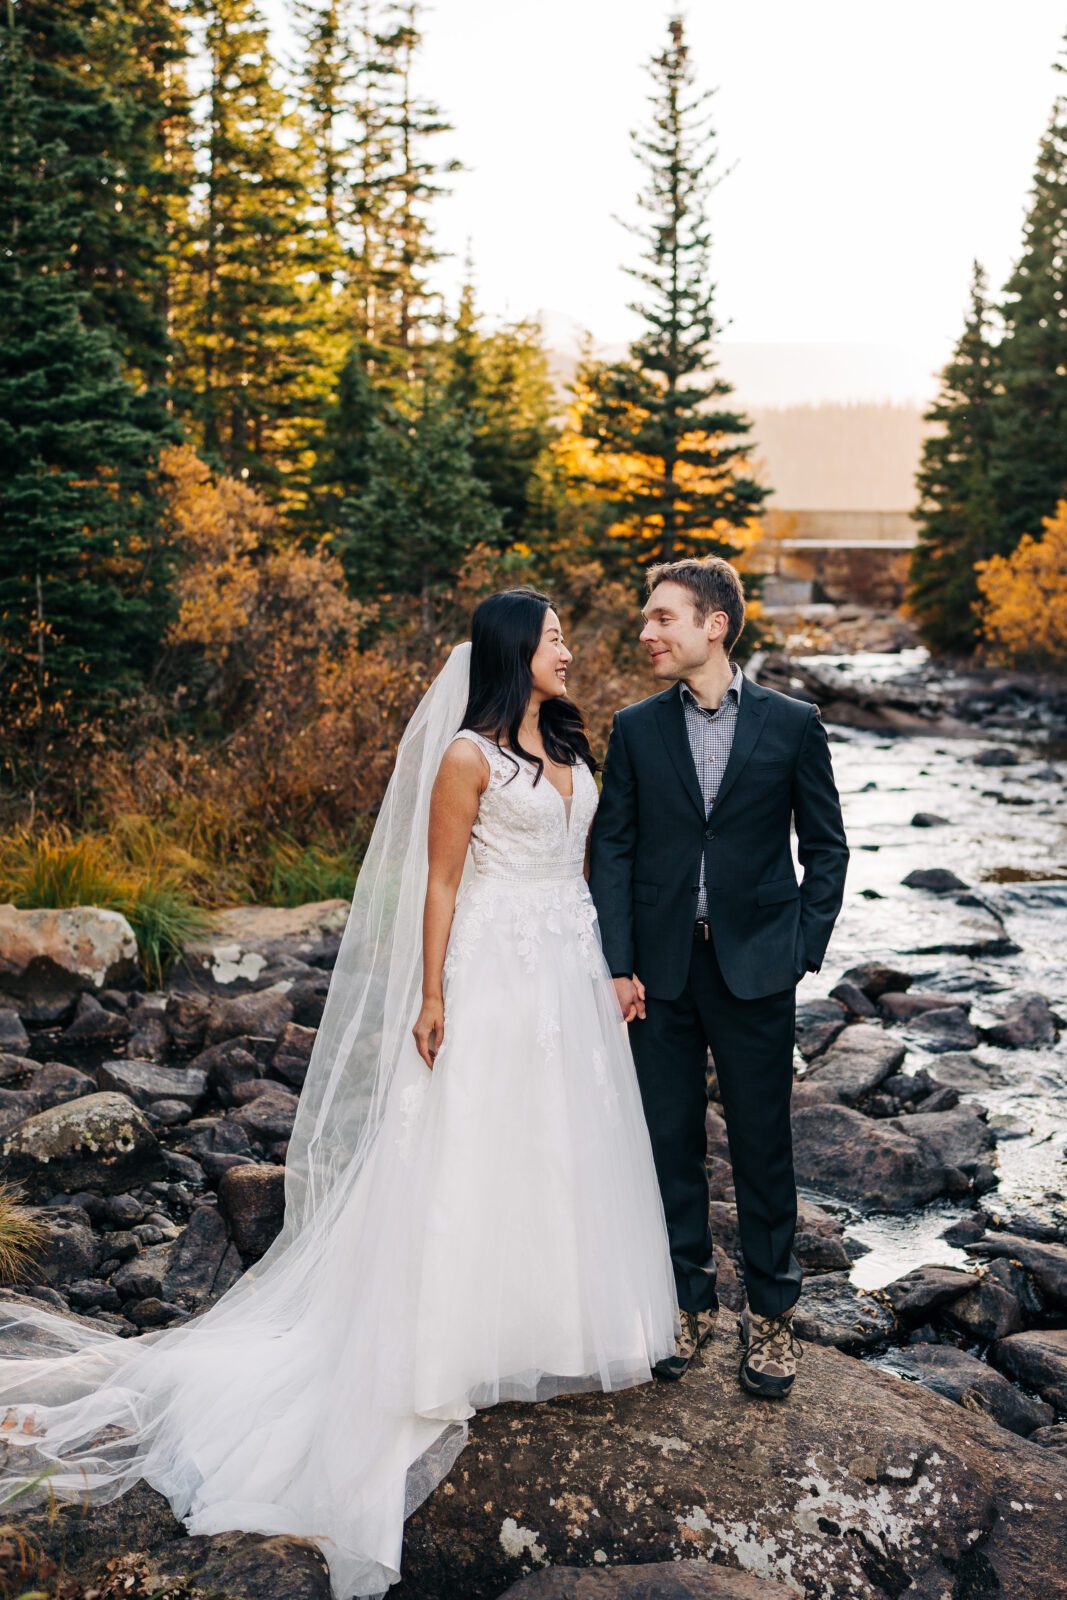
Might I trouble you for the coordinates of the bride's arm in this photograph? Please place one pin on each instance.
(463, 776)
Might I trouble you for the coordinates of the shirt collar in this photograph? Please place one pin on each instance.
(689, 698)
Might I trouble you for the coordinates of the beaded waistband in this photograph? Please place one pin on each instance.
(532, 871)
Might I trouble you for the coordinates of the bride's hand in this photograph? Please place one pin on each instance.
(429, 1030)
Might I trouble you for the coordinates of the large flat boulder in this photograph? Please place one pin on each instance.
(244, 943)
(860, 1485)
(1038, 1360)
(1044, 1260)
(654, 1580)
(145, 1081)
(49, 957)
(961, 1377)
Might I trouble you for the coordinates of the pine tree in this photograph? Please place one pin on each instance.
(110, 76)
(957, 515)
(500, 389)
(248, 364)
(1029, 457)
(422, 510)
(684, 484)
(343, 464)
(82, 588)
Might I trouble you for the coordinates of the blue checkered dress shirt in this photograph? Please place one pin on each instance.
(711, 737)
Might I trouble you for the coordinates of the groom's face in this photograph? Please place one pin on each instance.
(676, 642)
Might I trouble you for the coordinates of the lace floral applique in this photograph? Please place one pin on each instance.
(548, 1031)
(411, 1104)
(585, 927)
(467, 928)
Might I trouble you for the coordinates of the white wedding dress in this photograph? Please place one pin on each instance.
(504, 1240)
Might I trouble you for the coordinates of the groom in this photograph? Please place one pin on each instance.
(707, 933)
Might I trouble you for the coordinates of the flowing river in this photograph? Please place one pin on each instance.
(1004, 833)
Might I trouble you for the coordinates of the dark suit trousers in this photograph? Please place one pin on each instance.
(751, 1042)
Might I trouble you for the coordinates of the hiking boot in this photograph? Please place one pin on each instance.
(771, 1351)
(697, 1328)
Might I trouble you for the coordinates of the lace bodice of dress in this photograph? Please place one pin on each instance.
(523, 831)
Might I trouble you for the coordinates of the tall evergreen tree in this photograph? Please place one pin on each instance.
(957, 516)
(110, 76)
(247, 346)
(1029, 457)
(422, 509)
(82, 594)
(500, 388)
(684, 483)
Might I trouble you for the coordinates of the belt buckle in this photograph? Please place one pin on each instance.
(702, 923)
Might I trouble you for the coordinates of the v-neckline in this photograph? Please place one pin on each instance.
(548, 780)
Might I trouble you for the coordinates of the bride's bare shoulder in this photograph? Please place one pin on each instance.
(465, 761)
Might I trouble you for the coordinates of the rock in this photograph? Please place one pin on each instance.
(875, 979)
(203, 1263)
(997, 755)
(818, 1024)
(143, 1278)
(944, 1098)
(1038, 1360)
(252, 1199)
(153, 1312)
(94, 1024)
(121, 1210)
(184, 1168)
(70, 1251)
(262, 1013)
(860, 1486)
(968, 1073)
(229, 1064)
(185, 1018)
(49, 957)
(243, 1566)
(292, 1053)
(991, 1309)
(927, 1289)
(656, 1580)
(13, 1035)
(956, 1138)
(99, 1141)
(1029, 1023)
(964, 1231)
(936, 880)
(947, 1028)
(15, 1106)
(144, 1081)
(977, 931)
(166, 1113)
(54, 1084)
(245, 942)
(308, 998)
(875, 1163)
(929, 819)
(93, 1293)
(149, 1039)
(855, 1002)
(818, 1244)
(970, 1383)
(905, 1007)
(831, 1310)
(862, 1057)
(1046, 1262)
(270, 1115)
(1053, 1437)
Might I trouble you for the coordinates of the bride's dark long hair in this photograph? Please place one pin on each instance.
(506, 630)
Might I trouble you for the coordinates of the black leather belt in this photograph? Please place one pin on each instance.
(702, 929)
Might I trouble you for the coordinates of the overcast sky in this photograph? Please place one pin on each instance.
(875, 150)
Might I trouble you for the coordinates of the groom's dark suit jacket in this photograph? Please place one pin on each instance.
(651, 830)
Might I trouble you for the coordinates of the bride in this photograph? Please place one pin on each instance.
(472, 1213)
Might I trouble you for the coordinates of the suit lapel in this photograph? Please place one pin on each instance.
(671, 718)
(751, 711)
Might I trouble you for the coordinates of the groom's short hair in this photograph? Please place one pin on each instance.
(714, 585)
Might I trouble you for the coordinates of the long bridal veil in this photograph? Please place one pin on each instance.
(85, 1410)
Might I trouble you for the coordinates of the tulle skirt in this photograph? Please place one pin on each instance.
(505, 1241)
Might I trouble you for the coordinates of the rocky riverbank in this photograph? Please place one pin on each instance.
(925, 1450)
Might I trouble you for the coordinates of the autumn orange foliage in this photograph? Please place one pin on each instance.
(1023, 605)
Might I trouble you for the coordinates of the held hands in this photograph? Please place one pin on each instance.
(630, 993)
(429, 1030)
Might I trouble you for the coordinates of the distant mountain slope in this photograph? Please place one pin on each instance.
(857, 457)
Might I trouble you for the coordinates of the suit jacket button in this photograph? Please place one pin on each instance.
(709, 833)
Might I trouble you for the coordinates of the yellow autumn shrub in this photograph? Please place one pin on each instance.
(1023, 604)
